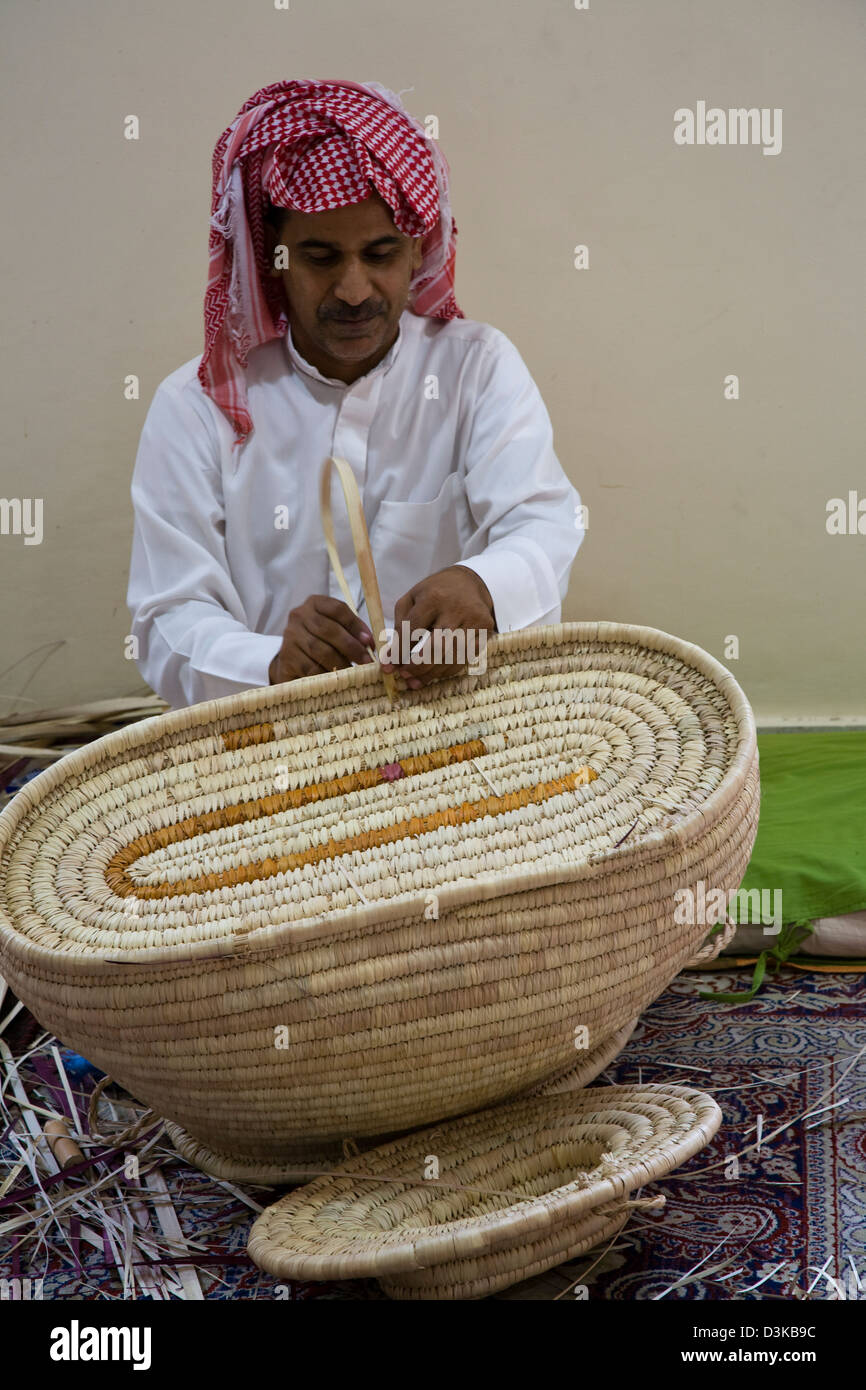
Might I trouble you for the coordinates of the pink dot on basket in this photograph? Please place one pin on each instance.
(392, 772)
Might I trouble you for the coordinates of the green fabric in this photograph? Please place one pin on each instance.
(811, 840)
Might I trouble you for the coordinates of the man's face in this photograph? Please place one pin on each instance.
(347, 284)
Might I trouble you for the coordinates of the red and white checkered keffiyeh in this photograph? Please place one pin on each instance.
(313, 146)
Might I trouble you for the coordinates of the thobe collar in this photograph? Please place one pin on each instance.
(309, 370)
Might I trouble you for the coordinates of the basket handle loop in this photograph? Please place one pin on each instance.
(363, 553)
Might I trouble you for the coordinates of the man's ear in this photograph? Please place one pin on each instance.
(417, 256)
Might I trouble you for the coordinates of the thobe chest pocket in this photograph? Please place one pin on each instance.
(410, 540)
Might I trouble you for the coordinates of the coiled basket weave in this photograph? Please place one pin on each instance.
(313, 912)
(482, 1202)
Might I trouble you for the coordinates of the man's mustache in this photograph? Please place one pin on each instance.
(352, 318)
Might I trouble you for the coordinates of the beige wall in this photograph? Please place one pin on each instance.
(707, 516)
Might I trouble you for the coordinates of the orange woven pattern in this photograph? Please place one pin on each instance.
(117, 872)
(269, 868)
(249, 737)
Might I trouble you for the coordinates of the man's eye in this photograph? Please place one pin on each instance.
(329, 257)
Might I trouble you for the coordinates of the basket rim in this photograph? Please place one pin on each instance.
(208, 714)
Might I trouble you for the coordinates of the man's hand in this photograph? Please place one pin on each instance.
(455, 598)
(322, 634)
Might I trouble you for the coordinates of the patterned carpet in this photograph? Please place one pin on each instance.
(797, 1208)
(788, 1224)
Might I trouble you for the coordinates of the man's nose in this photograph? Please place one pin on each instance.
(353, 286)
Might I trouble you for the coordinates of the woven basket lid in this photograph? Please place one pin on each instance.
(477, 1204)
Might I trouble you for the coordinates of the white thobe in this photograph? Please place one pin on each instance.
(450, 444)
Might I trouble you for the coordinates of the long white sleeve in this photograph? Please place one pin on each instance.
(193, 641)
(520, 495)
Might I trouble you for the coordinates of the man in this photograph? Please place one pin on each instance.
(331, 329)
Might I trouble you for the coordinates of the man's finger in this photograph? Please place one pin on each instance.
(396, 655)
(420, 664)
(340, 612)
(332, 633)
(424, 611)
(402, 608)
(321, 655)
(419, 614)
(299, 662)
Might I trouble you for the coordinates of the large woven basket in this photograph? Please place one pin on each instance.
(313, 912)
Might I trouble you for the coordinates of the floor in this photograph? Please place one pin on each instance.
(787, 1222)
